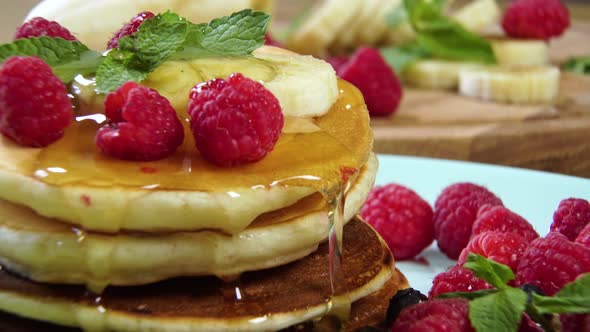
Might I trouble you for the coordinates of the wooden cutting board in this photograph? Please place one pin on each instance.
(545, 137)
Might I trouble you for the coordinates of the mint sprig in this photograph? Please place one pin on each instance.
(580, 65)
(67, 58)
(501, 309)
(163, 37)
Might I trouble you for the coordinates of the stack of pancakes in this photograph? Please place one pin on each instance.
(181, 245)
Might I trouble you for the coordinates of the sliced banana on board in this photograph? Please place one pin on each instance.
(520, 52)
(436, 74)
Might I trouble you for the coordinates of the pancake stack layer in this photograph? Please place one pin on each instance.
(180, 245)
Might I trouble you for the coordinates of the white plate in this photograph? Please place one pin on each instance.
(532, 194)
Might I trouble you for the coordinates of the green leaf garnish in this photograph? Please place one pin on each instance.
(400, 57)
(499, 312)
(496, 274)
(67, 58)
(468, 295)
(574, 297)
(444, 38)
(580, 65)
(396, 17)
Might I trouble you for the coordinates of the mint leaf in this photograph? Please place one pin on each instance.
(468, 295)
(580, 65)
(574, 297)
(400, 57)
(498, 312)
(443, 37)
(496, 274)
(67, 58)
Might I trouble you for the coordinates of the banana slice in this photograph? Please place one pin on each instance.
(478, 15)
(327, 21)
(376, 27)
(305, 86)
(346, 39)
(518, 52)
(94, 22)
(521, 85)
(436, 74)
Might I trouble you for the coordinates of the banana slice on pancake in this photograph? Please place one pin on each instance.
(266, 300)
(46, 250)
(95, 22)
(72, 182)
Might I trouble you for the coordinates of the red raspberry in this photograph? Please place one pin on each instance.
(338, 62)
(454, 213)
(436, 315)
(369, 72)
(535, 19)
(500, 219)
(401, 217)
(129, 28)
(268, 40)
(38, 26)
(571, 216)
(34, 104)
(456, 279)
(143, 126)
(529, 325)
(584, 236)
(234, 121)
(575, 322)
(551, 262)
(504, 248)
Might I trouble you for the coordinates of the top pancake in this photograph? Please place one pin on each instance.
(70, 181)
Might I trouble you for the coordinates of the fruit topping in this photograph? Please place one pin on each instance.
(551, 262)
(571, 216)
(338, 62)
(435, 315)
(129, 28)
(575, 323)
(584, 236)
(403, 298)
(504, 248)
(369, 72)
(500, 219)
(38, 26)
(456, 279)
(234, 121)
(535, 19)
(34, 104)
(401, 217)
(142, 125)
(455, 210)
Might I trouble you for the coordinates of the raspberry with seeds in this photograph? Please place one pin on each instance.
(142, 125)
(501, 219)
(535, 19)
(456, 279)
(584, 237)
(455, 210)
(369, 72)
(38, 26)
(435, 315)
(571, 216)
(401, 217)
(551, 262)
(129, 28)
(504, 248)
(34, 104)
(234, 121)
(575, 322)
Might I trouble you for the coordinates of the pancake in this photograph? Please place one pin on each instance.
(70, 181)
(270, 299)
(47, 250)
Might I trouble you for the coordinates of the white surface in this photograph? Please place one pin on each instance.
(532, 194)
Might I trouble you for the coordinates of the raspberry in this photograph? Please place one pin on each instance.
(34, 104)
(338, 62)
(551, 262)
(268, 40)
(234, 121)
(369, 72)
(456, 279)
(129, 28)
(584, 236)
(504, 248)
(529, 325)
(571, 216)
(575, 322)
(38, 26)
(436, 315)
(143, 126)
(402, 217)
(500, 219)
(454, 213)
(535, 19)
